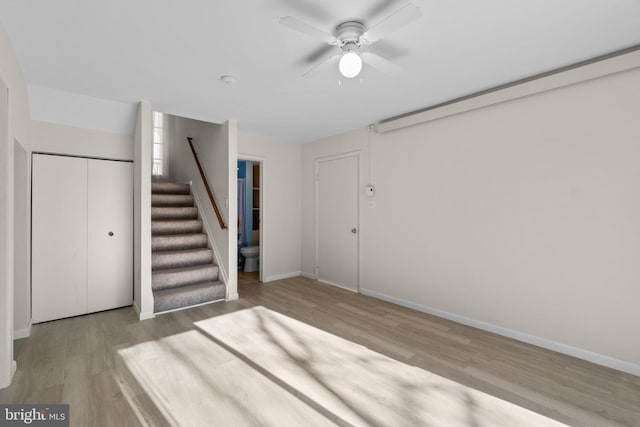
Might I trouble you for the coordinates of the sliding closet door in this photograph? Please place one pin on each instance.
(110, 229)
(59, 237)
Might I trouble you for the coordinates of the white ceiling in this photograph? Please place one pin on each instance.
(173, 52)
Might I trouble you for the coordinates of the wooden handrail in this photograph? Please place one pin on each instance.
(206, 185)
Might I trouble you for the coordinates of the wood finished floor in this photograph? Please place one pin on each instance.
(75, 360)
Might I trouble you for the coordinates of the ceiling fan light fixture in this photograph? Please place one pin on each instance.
(350, 64)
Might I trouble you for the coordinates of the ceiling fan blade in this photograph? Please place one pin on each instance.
(388, 49)
(307, 29)
(381, 8)
(398, 19)
(321, 52)
(379, 63)
(321, 64)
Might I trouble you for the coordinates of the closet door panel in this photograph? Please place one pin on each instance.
(59, 237)
(110, 230)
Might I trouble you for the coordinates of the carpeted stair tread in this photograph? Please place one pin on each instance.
(184, 296)
(170, 188)
(174, 277)
(158, 200)
(174, 213)
(183, 269)
(185, 258)
(189, 226)
(176, 242)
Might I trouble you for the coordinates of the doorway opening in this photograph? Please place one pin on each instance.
(250, 207)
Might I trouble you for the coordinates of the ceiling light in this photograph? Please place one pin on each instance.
(350, 64)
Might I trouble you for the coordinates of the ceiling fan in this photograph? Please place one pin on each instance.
(349, 36)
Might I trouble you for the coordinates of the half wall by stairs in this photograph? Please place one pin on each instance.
(184, 273)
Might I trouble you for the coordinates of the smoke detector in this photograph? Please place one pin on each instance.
(228, 80)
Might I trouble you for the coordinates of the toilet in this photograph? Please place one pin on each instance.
(251, 255)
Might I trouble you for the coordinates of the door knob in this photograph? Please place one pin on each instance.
(353, 230)
(111, 233)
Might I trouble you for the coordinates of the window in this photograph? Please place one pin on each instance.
(158, 143)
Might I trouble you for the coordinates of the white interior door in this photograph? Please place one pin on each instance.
(59, 237)
(110, 235)
(337, 222)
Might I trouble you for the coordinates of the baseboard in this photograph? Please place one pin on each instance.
(308, 275)
(22, 333)
(12, 371)
(14, 368)
(579, 353)
(141, 315)
(233, 297)
(337, 285)
(187, 307)
(282, 276)
(147, 316)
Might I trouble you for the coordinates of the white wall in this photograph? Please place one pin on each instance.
(74, 141)
(22, 243)
(520, 217)
(215, 145)
(15, 129)
(281, 197)
(72, 109)
(142, 293)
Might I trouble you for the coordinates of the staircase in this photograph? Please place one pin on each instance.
(184, 273)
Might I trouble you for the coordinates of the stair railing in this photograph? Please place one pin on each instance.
(206, 185)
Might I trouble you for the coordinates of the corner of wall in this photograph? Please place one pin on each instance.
(143, 296)
(22, 333)
(142, 315)
(14, 125)
(231, 126)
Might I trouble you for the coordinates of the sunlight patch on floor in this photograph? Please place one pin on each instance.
(191, 380)
(359, 386)
(259, 367)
